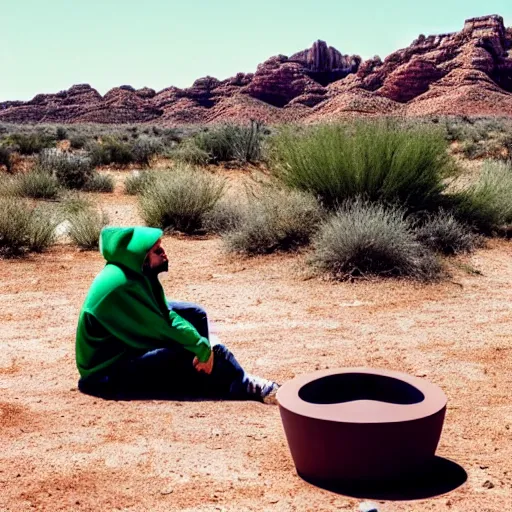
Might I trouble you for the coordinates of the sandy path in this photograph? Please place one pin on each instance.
(65, 451)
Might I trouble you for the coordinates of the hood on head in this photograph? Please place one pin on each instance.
(128, 246)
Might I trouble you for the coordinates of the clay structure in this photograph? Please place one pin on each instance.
(467, 72)
(361, 424)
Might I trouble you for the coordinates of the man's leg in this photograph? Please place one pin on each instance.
(194, 314)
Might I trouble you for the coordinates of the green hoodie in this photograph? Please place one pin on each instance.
(125, 313)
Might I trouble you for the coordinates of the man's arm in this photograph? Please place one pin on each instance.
(138, 325)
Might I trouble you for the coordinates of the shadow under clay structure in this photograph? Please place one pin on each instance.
(361, 424)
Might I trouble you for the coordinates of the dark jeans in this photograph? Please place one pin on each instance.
(168, 373)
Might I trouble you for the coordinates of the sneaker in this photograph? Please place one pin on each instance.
(262, 389)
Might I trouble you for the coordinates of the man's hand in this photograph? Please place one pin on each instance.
(206, 367)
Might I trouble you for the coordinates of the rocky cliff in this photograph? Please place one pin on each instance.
(466, 72)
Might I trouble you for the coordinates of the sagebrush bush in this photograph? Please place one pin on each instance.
(78, 141)
(227, 215)
(111, 150)
(486, 204)
(278, 221)
(99, 183)
(37, 184)
(85, 227)
(363, 238)
(442, 232)
(145, 148)
(187, 152)
(375, 160)
(71, 171)
(61, 133)
(179, 199)
(229, 142)
(137, 182)
(5, 158)
(24, 228)
(30, 143)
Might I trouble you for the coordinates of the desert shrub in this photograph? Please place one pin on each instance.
(24, 228)
(227, 215)
(137, 182)
(78, 141)
(229, 142)
(37, 184)
(71, 171)
(30, 143)
(99, 183)
(179, 199)
(145, 148)
(61, 133)
(486, 204)
(363, 238)
(276, 221)
(111, 150)
(8, 185)
(443, 233)
(187, 152)
(5, 158)
(376, 160)
(86, 223)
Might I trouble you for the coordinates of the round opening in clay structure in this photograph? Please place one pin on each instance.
(359, 424)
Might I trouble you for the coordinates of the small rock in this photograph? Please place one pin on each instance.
(368, 506)
(165, 492)
(488, 484)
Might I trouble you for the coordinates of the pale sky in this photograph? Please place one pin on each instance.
(49, 45)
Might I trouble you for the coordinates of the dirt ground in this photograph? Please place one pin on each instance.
(64, 451)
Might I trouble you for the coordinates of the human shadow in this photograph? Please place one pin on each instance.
(440, 477)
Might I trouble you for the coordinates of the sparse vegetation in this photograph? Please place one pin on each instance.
(229, 142)
(71, 171)
(137, 182)
(30, 143)
(5, 158)
(179, 199)
(277, 221)
(99, 183)
(443, 233)
(379, 161)
(487, 204)
(24, 228)
(145, 148)
(37, 184)
(363, 238)
(86, 222)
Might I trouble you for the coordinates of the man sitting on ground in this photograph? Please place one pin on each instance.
(132, 343)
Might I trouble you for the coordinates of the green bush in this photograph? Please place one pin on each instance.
(145, 148)
(24, 228)
(30, 143)
(363, 238)
(37, 184)
(71, 171)
(375, 160)
(5, 158)
(487, 204)
(61, 133)
(187, 152)
(99, 183)
(278, 221)
(111, 150)
(230, 142)
(227, 215)
(444, 233)
(180, 199)
(78, 141)
(137, 182)
(85, 227)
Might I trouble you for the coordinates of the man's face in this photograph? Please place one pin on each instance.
(156, 260)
